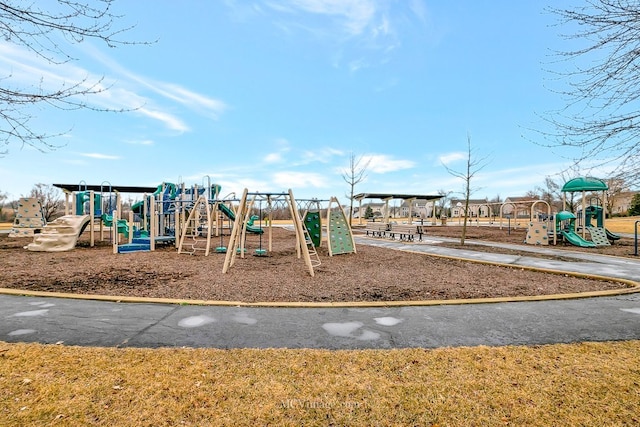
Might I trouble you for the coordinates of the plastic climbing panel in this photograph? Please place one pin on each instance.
(29, 218)
(599, 236)
(537, 234)
(340, 239)
(313, 224)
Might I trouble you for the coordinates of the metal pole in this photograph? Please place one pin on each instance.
(635, 240)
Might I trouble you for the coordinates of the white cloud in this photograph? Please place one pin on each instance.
(323, 155)
(169, 120)
(273, 158)
(447, 159)
(212, 107)
(381, 163)
(27, 70)
(356, 14)
(419, 9)
(190, 99)
(357, 65)
(300, 179)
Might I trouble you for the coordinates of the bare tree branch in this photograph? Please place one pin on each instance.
(48, 34)
(601, 116)
(473, 166)
(355, 174)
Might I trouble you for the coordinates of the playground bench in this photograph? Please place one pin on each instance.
(377, 229)
(404, 232)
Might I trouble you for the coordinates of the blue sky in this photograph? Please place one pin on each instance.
(277, 94)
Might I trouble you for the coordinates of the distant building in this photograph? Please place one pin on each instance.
(477, 208)
(622, 202)
(377, 209)
(420, 208)
(520, 207)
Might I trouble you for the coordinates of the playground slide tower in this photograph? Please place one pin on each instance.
(60, 235)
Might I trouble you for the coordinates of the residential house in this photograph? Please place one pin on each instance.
(520, 207)
(477, 208)
(621, 202)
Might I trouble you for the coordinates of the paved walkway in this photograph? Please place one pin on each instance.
(100, 323)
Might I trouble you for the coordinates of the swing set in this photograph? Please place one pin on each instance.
(206, 219)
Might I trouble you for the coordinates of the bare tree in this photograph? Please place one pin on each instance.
(48, 35)
(494, 205)
(602, 86)
(3, 199)
(442, 202)
(473, 166)
(50, 199)
(616, 186)
(355, 174)
(550, 193)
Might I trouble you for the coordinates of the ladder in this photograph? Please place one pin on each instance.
(197, 228)
(313, 253)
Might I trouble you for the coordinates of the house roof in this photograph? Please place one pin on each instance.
(471, 201)
(521, 199)
(385, 196)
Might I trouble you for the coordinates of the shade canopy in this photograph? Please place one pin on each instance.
(106, 188)
(586, 183)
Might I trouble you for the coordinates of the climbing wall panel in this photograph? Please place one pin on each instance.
(29, 218)
(340, 239)
(537, 234)
(599, 236)
(312, 223)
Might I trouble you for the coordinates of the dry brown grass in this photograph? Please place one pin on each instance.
(622, 224)
(582, 384)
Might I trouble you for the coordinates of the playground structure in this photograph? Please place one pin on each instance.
(307, 227)
(570, 227)
(238, 234)
(191, 218)
(84, 208)
(599, 235)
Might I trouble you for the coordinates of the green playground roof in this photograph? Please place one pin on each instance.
(563, 215)
(585, 183)
(384, 196)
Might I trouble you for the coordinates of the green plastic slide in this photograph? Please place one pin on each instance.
(123, 227)
(229, 213)
(576, 240)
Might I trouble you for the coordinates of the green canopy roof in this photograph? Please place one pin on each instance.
(564, 215)
(586, 183)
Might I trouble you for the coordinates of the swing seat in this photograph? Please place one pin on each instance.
(260, 252)
(221, 250)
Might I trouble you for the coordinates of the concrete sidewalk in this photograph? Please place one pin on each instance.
(585, 263)
(101, 323)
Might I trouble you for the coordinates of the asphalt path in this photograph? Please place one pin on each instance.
(126, 324)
